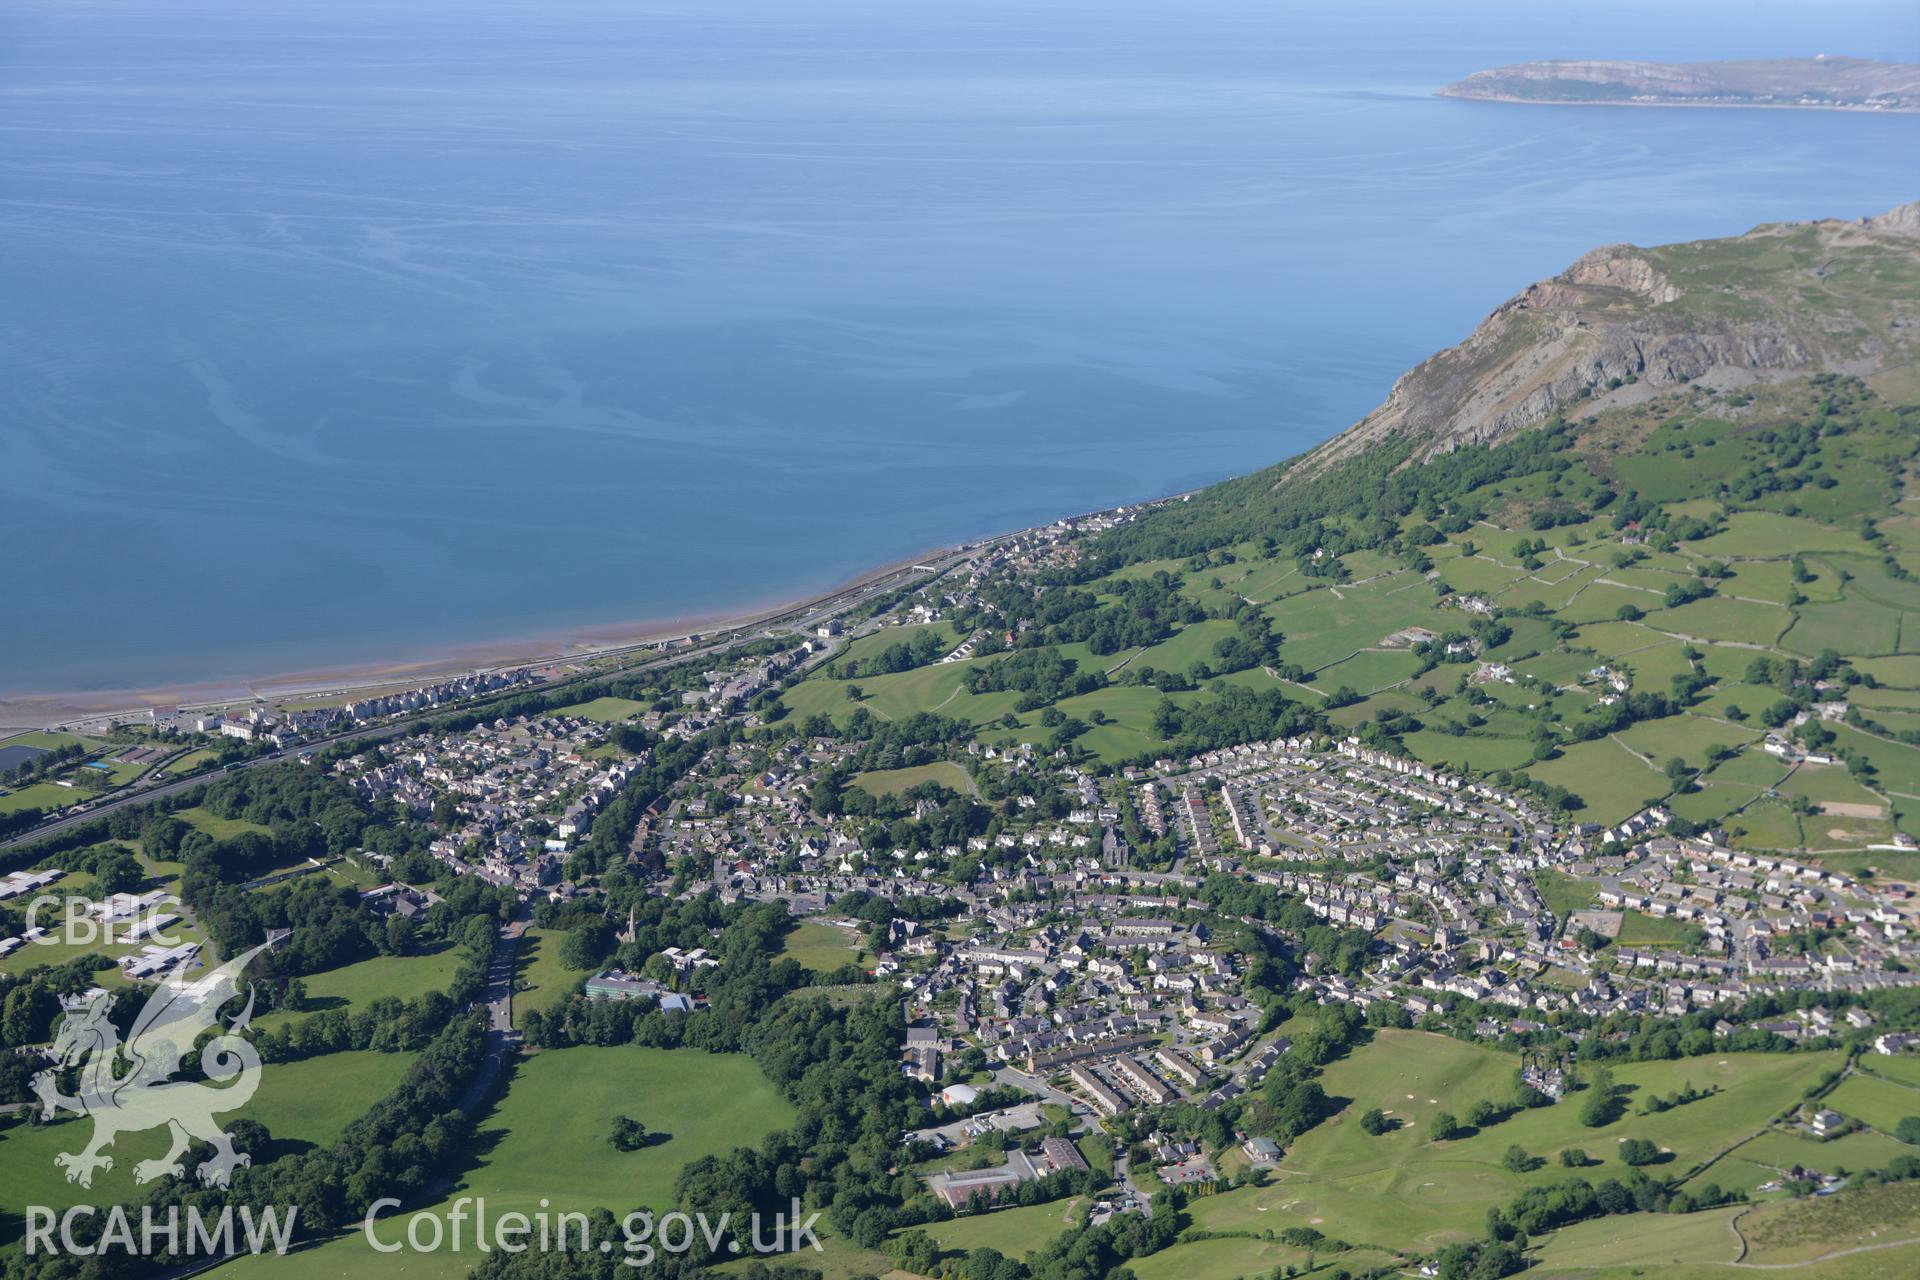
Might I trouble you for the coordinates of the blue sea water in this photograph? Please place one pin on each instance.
(334, 330)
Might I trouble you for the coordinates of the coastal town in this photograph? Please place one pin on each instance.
(776, 642)
(1081, 953)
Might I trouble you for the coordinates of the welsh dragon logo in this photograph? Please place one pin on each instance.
(128, 1088)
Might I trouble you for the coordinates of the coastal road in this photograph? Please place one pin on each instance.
(802, 619)
(142, 796)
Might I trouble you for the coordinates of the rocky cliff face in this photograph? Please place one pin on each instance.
(1624, 322)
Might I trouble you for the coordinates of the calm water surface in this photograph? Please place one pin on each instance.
(338, 331)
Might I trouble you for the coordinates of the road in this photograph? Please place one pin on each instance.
(502, 1039)
(1040, 1088)
(1123, 1174)
(802, 620)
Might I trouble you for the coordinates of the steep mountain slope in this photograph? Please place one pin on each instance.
(1624, 322)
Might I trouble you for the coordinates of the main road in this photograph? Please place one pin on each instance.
(800, 619)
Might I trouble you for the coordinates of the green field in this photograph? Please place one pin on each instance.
(189, 762)
(1403, 1191)
(1128, 731)
(41, 795)
(895, 782)
(823, 947)
(301, 1103)
(1640, 930)
(356, 985)
(1369, 671)
(1803, 1230)
(940, 688)
(1778, 1150)
(1642, 1240)
(1613, 782)
(1716, 618)
(867, 647)
(548, 1136)
(539, 977)
(1192, 644)
(835, 1259)
(605, 710)
(1685, 736)
(1857, 626)
(1761, 534)
(1565, 893)
(219, 828)
(1014, 1232)
(1901, 1068)
(1879, 1102)
(1331, 624)
(1228, 1257)
(546, 1139)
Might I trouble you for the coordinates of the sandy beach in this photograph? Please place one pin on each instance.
(41, 710)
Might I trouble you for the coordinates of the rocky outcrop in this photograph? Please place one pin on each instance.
(1850, 84)
(1784, 299)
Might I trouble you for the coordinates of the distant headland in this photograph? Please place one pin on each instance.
(1813, 84)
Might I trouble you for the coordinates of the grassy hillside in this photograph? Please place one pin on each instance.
(1634, 599)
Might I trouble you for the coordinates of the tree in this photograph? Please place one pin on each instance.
(1602, 1106)
(1445, 1125)
(28, 1014)
(586, 945)
(916, 1252)
(628, 1134)
(116, 871)
(1483, 1113)
(1575, 1158)
(1518, 1160)
(1374, 1123)
(1908, 1130)
(1639, 1151)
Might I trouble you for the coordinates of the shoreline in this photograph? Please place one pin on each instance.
(1859, 108)
(29, 711)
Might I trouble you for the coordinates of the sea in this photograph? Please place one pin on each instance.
(338, 332)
